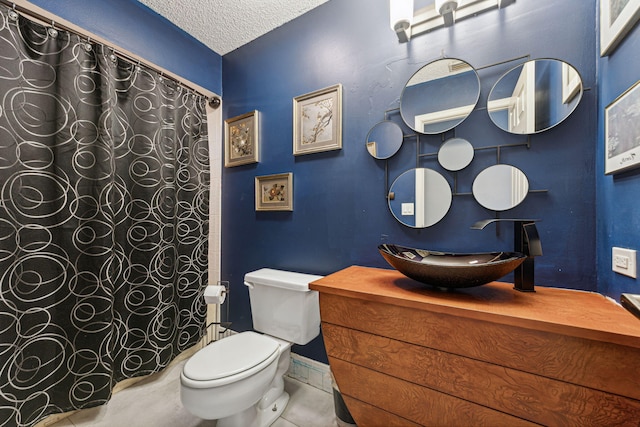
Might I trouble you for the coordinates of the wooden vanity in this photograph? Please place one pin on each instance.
(404, 354)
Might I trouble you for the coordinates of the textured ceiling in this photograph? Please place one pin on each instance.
(225, 25)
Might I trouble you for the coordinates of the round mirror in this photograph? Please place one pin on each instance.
(384, 139)
(534, 96)
(455, 154)
(500, 187)
(421, 198)
(439, 96)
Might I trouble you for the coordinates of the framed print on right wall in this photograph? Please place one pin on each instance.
(622, 131)
(617, 17)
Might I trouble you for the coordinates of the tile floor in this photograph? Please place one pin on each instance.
(155, 402)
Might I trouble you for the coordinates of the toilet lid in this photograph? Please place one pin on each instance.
(230, 356)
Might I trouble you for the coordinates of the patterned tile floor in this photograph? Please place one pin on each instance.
(155, 402)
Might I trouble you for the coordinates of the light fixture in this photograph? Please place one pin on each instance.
(443, 13)
(401, 18)
(447, 8)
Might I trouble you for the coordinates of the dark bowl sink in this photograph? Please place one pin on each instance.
(450, 270)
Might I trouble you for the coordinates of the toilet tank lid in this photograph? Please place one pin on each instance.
(230, 356)
(281, 279)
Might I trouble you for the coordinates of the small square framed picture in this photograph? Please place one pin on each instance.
(274, 192)
(241, 140)
(317, 121)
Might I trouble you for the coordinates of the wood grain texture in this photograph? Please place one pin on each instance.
(535, 398)
(420, 405)
(370, 416)
(562, 311)
(596, 364)
(480, 356)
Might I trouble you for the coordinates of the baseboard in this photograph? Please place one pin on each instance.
(311, 372)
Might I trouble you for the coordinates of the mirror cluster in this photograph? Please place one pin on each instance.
(528, 99)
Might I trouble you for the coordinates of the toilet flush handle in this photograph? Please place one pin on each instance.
(248, 285)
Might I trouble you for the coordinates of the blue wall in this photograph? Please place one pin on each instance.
(131, 25)
(617, 195)
(340, 212)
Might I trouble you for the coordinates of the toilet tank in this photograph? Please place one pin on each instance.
(282, 305)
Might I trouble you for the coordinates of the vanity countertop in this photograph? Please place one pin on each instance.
(569, 312)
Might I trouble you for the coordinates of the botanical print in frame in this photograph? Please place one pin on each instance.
(274, 192)
(241, 140)
(317, 121)
(622, 131)
(617, 17)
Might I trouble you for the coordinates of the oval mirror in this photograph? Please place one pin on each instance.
(455, 154)
(534, 96)
(384, 139)
(421, 197)
(439, 96)
(500, 187)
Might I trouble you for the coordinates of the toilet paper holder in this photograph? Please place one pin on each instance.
(216, 294)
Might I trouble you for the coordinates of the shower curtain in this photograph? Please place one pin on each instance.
(104, 189)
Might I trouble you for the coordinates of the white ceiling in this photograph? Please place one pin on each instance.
(225, 25)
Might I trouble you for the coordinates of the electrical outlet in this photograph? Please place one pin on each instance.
(623, 261)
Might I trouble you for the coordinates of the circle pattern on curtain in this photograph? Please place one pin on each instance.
(104, 205)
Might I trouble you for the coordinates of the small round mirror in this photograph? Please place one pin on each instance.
(500, 187)
(421, 198)
(455, 154)
(384, 139)
(534, 96)
(439, 96)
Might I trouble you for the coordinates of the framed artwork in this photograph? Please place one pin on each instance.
(622, 131)
(616, 19)
(317, 121)
(274, 192)
(241, 142)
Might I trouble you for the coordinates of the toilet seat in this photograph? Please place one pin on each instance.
(230, 359)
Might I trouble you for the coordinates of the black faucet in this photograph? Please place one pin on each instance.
(526, 240)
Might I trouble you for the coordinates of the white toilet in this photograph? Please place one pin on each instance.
(238, 380)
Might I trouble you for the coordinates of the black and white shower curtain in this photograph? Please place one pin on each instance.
(104, 195)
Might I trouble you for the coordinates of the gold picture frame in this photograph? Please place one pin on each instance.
(317, 121)
(241, 140)
(274, 192)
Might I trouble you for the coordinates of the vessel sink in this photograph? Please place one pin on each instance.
(450, 270)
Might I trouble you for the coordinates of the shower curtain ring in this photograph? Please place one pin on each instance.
(52, 31)
(13, 13)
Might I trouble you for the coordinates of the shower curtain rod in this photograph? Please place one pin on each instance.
(47, 18)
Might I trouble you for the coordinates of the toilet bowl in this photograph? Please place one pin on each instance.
(239, 380)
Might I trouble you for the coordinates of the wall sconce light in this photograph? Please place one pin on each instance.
(447, 9)
(401, 18)
(443, 13)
